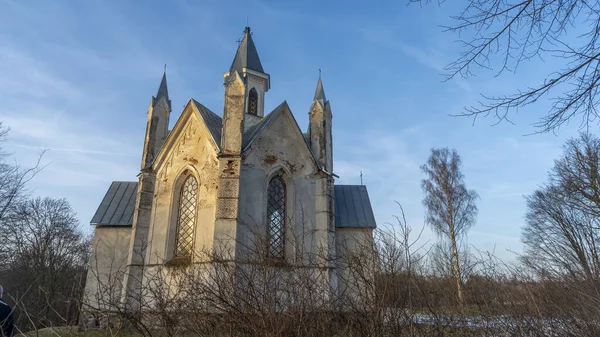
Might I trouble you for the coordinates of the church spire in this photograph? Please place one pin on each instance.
(162, 89)
(157, 126)
(246, 55)
(319, 129)
(162, 92)
(320, 92)
(246, 64)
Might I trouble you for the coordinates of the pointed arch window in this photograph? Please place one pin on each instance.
(253, 102)
(276, 218)
(186, 218)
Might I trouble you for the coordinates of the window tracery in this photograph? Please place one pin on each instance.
(276, 218)
(253, 102)
(186, 218)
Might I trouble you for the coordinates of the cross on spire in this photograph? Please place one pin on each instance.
(246, 55)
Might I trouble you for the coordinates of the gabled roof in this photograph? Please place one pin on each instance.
(306, 136)
(246, 55)
(118, 205)
(252, 132)
(214, 122)
(211, 120)
(353, 207)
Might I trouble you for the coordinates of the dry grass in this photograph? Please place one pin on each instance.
(72, 331)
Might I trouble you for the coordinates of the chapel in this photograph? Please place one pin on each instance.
(228, 181)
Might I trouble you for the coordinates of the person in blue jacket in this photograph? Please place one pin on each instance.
(7, 323)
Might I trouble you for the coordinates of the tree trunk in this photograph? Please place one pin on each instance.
(456, 263)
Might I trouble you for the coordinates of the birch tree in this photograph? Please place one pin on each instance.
(449, 206)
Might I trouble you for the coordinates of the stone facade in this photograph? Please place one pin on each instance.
(231, 163)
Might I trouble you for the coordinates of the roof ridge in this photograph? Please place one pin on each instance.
(213, 122)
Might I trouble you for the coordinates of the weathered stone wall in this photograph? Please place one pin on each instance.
(110, 249)
(279, 148)
(229, 167)
(192, 152)
(156, 129)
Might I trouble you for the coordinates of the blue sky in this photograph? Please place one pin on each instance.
(76, 78)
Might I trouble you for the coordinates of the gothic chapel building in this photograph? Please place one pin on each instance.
(227, 182)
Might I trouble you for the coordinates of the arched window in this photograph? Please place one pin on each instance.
(253, 102)
(186, 218)
(276, 218)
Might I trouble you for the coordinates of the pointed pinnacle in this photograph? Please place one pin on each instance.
(162, 89)
(320, 92)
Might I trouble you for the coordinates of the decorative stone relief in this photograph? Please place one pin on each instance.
(229, 188)
(227, 208)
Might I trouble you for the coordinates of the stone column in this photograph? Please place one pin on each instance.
(132, 281)
(225, 239)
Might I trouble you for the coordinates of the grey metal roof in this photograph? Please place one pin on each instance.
(306, 138)
(214, 122)
(116, 209)
(352, 207)
(246, 55)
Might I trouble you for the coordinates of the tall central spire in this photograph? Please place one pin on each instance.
(246, 64)
(246, 55)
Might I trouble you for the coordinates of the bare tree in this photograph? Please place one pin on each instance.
(46, 268)
(13, 177)
(562, 231)
(577, 174)
(450, 207)
(502, 35)
(13, 180)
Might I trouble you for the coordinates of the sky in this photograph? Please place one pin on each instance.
(76, 78)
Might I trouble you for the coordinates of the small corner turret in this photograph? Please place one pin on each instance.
(320, 120)
(157, 127)
(162, 93)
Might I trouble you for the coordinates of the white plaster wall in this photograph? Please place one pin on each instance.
(110, 248)
(355, 242)
(260, 84)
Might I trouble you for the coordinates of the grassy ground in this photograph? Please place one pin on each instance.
(71, 331)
